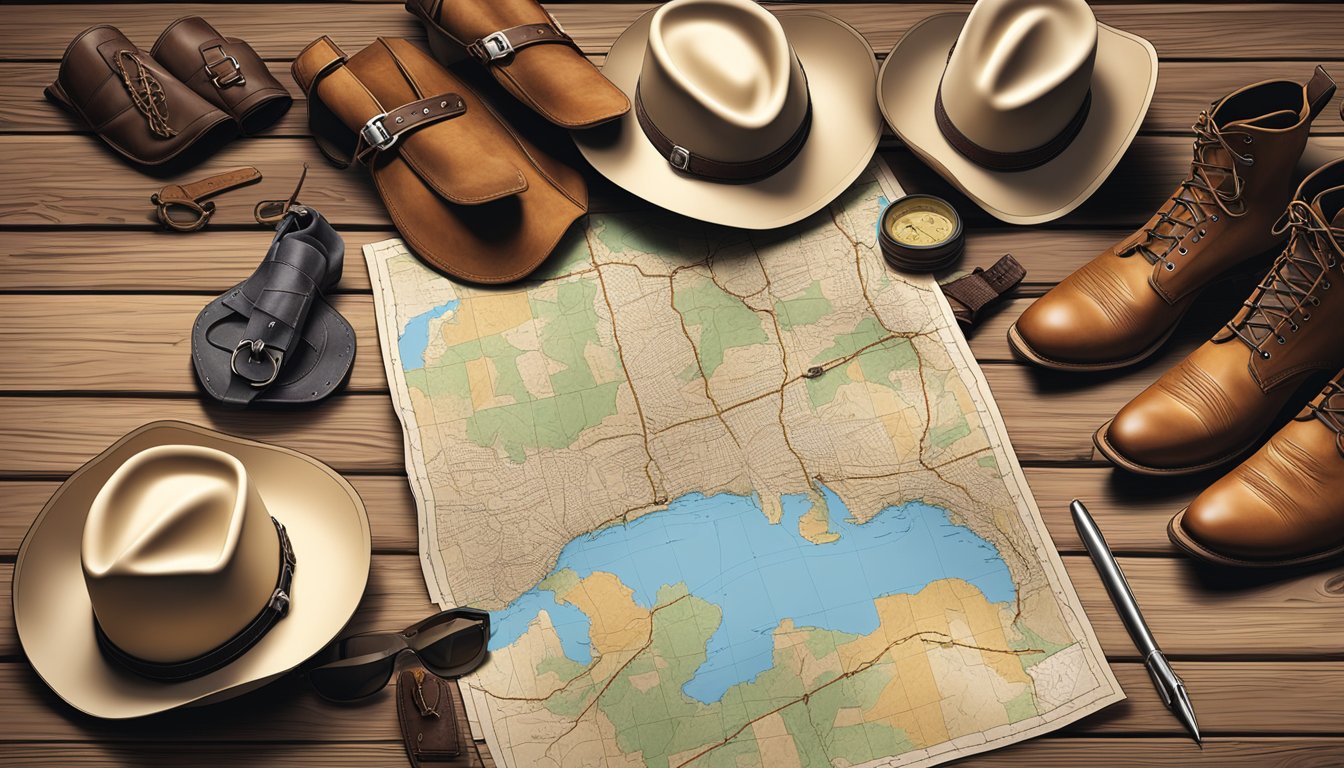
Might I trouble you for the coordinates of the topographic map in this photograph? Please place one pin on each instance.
(733, 499)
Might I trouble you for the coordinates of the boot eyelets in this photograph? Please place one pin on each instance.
(1171, 266)
(1203, 232)
(1182, 250)
(1214, 218)
(1250, 140)
(1282, 340)
(1265, 355)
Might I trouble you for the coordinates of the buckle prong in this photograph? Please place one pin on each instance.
(375, 133)
(496, 46)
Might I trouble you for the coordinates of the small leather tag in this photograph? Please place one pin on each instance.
(433, 720)
(983, 287)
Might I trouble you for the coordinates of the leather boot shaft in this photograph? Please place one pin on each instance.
(1123, 305)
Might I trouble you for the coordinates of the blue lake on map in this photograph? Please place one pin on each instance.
(414, 338)
(727, 553)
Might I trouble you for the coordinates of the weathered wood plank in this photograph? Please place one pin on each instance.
(1264, 698)
(215, 259)
(127, 343)
(1183, 89)
(1132, 511)
(39, 186)
(1309, 31)
(1193, 611)
(42, 435)
(1168, 752)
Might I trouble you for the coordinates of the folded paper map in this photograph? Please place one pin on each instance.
(732, 498)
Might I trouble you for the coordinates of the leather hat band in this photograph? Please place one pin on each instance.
(1010, 161)
(738, 171)
(208, 662)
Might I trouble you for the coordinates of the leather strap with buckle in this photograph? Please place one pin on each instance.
(972, 293)
(223, 68)
(182, 207)
(276, 608)
(382, 131)
(501, 44)
(740, 171)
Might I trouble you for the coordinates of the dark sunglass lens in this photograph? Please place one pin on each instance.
(364, 645)
(350, 682)
(455, 654)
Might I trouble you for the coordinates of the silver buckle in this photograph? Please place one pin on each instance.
(255, 349)
(375, 134)
(679, 157)
(496, 46)
(279, 602)
(229, 78)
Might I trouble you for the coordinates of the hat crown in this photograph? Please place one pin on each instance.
(1020, 71)
(179, 552)
(720, 79)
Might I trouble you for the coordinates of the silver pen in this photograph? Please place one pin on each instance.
(1168, 684)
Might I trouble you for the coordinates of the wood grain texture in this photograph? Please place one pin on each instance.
(1170, 752)
(1176, 30)
(38, 187)
(1183, 89)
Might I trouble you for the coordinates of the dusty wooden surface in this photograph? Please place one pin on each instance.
(95, 307)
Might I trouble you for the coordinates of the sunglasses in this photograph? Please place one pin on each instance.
(450, 644)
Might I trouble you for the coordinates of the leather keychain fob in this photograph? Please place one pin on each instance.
(185, 208)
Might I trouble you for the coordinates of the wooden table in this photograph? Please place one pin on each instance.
(96, 307)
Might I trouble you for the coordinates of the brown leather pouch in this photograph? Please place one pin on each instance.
(468, 195)
(225, 71)
(135, 105)
(433, 721)
(527, 51)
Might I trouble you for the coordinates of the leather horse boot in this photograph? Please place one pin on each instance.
(1283, 505)
(273, 338)
(1215, 404)
(526, 51)
(1123, 305)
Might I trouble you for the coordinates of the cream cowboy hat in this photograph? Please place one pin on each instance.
(741, 118)
(1025, 105)
(183, 565)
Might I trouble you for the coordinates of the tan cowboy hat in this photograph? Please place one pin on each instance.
(182, 565)
(1031, 109)
(741, 118)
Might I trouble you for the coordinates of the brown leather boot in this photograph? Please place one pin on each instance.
(1123, 305)
(1283, 506)
(1214, 405)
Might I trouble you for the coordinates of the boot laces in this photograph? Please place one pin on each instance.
(1291, 289)
(1329, 408)
(1199, 195)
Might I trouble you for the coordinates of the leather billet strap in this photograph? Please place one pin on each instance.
(304, 260)
(1023, 160)
(275, 609)
(503, 43)
(971, 293)
(739, 171)
(188, 198)
(1319, 90)
(222, 67)
(383, 128)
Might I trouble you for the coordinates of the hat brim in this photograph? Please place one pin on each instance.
(841, 74)
(327, 526)
(1123, 79)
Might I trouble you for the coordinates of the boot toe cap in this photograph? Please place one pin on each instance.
(1153, 432)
